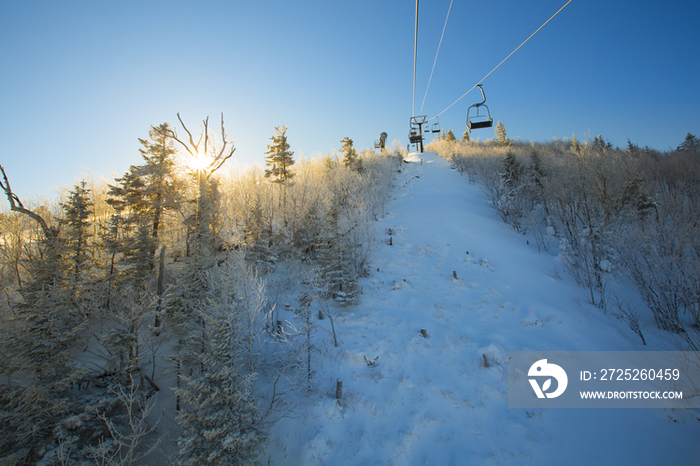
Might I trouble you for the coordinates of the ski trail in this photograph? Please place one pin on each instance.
(477, 289)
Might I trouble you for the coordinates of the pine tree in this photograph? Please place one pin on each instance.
(279, 160)
(511, 170)
(536, 168)
(161, 186)
(450, 136)
(690, 144)
(335, 262)
(38, 345)
(141, 197)
(77, 211)
(220, 420)
(350, 158)
(466, 137)
(257, 239)
(501, 135)
(279, 157)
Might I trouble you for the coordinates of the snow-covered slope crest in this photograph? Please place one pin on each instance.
(453, 270)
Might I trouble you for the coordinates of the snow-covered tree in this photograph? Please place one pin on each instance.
(350, 158)
(279, 158)
(77, 211)
(257, 237)
(220, 420)
(335, 263)
(140, 199)
(501, 137)
(161, 185)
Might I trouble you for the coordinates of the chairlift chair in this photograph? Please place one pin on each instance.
(436, 126)
(479, 121)
(414, 137)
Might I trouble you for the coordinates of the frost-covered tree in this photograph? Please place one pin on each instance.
(257, 237)
(279, 158)
(350, 158)
(162, 186)
(38, 345)
(501, 137)
(450, 136)
(220, 420)
(279, 162)
(141, 198)
(77, 211)
(466, 137)
(334, 259)
(512, 170)
(206, 157)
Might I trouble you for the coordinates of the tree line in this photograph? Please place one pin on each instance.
(163, 285)
(616, 212)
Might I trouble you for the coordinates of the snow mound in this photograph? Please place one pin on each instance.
(413, 157)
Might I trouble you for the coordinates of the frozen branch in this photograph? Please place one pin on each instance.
(17, 206)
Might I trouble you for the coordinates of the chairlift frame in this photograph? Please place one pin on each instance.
(415, 134)
(479, 123)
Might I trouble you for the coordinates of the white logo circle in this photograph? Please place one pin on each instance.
(542, 369)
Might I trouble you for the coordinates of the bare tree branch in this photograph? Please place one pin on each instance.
(221, 157)
(206, 135)
(17, 206)
(218, 159)
(194, 146)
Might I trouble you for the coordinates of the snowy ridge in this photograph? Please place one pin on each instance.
(452, 268)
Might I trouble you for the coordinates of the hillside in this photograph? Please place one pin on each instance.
(451, 267)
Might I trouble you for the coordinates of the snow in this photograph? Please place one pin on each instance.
(477, 288)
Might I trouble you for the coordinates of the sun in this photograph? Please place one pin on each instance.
(198, 162)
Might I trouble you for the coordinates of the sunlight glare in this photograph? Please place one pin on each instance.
(198, 163)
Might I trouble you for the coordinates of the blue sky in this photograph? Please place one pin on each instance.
(80, 81)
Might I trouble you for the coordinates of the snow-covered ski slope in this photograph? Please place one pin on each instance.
(431, 401)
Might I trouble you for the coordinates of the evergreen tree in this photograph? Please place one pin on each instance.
(220, 420)
(279, 157)
(501, 135)
(600, 145)
(511, 170)
(336, 268)
(350, 158)
(450, 136)
(38, 345)
(141, 197)
(690, 144)
(536, 168)
(466, 137)
(279, 160)
(77, 211)
(257, 239)
(161, 185)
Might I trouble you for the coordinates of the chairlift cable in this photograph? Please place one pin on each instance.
(415, 57)
(511, 53)
(436, 56)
